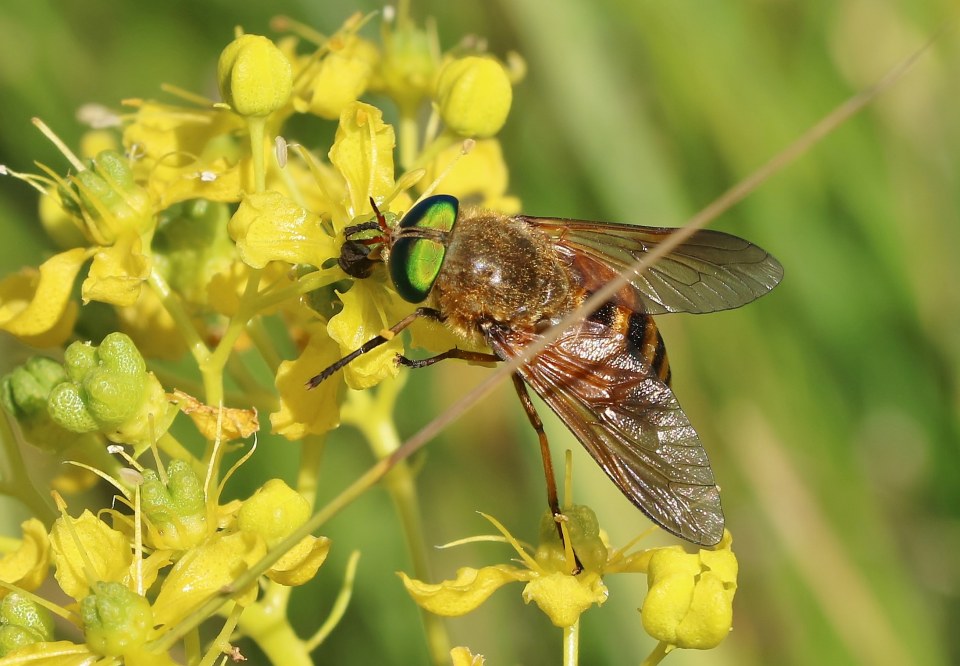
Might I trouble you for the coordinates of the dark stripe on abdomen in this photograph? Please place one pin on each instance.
(646, 344)
(605, 315)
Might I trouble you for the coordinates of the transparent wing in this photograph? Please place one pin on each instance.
(629, 421)
(711, 271)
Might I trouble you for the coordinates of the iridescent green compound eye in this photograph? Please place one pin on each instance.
(417, 254)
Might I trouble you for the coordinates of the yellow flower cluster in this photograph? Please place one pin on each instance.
(195, 224)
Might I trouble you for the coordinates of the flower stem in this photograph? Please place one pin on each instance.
(15, 479)
(266, 623)
(571, 644)
(311, 452)
(657, 655)
(256, 127)
(375, 421)
(408, 139)
(173, 306)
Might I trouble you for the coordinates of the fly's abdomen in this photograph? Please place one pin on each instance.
(642, 337)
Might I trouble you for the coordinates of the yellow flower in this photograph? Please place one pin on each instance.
(480, 176)
(268, 226)
(117, 273)
(186, 153)
(307, 412)
(462, 656)
(690, 600)
(273, 512)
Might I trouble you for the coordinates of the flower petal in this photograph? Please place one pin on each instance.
(204, 570)
(27, 566)
(363, 153)
(268, 226)
(35, 305)
(301, 411)
(228, 423)
(107, 550)
(466, 592)
(301, 562)
(117, 273)
(367, 310)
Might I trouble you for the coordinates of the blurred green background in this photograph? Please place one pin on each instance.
(829, 408)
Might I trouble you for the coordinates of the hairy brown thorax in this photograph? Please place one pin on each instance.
(499, 269)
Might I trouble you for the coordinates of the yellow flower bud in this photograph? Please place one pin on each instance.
(255, 77)
(274, 511)
(690, 600)
(474, 96)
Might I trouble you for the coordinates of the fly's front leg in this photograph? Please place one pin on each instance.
(373, 343)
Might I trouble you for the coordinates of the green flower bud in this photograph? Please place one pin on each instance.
(106, 385)
(108, 198)
(255, 77)
(176, 511)
(22, 622)
(273, 512)
(24, 391)
(474, 96)
(584, 530)
(116, 621)
(24, 394)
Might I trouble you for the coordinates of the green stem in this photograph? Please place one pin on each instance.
(16, 480)
(571, 644)
(266, 623)
(173, 306)
(212, 369)
(657, 655)
(252, 391)
(311, 453)
(376, 423)
(173, 448)
(265, 345)
(256, 127)
(408, 140)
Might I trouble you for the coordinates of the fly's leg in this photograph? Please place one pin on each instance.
(462, 354)
(552, 499)
(373, 343)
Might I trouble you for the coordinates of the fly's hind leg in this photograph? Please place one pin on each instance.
(552, 498)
